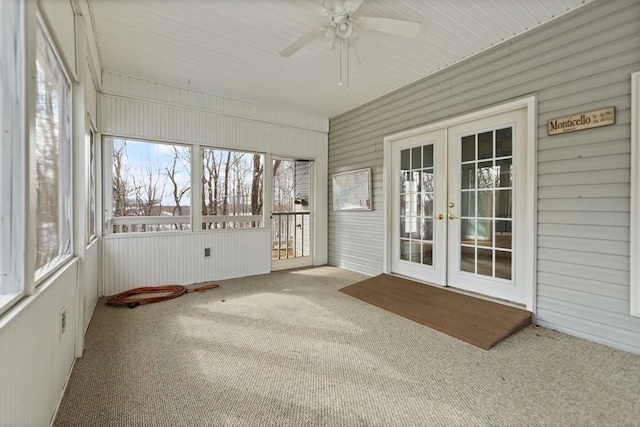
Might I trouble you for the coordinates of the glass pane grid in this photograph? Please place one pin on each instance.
(486, 204)
(417, 191)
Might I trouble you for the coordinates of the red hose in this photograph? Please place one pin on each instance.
(170, 291)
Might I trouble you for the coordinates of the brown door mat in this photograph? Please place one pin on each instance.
(474, 320)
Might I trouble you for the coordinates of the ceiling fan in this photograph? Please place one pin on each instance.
(342, 28)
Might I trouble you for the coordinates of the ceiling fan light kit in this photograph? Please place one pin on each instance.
(341, 27)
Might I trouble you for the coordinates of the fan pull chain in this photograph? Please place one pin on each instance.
(340, 62)
(348, 49)
(342, 49)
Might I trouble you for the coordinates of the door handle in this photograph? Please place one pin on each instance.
(452, 216)
(440, 216)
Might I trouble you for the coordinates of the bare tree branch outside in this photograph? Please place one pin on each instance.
(153, 180)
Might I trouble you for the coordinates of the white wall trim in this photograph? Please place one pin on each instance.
(530, 103)
(635, 196)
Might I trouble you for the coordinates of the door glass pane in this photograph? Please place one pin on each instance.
(503, 203)
(405, 250)
(427, 180)
(504, 173)
(416, 204)
(405, 160)
(485, 262)
(503, 234)
(484, 232)
(468, 204)
(416, 158)
(486, 200)
(468, 231)
(485, 204)
(485, 145)
(405, 227)
(404, 178)
(503, 264)
(503, 142)
(427, 156)
(427, 229)
(468, 148)
(468, 176)
(486, 175)
(427, 253)
(416, 177)
(468, 259)
(428, 205)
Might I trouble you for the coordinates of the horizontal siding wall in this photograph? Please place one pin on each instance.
(135, 261)
(580, 62)
(135, 108)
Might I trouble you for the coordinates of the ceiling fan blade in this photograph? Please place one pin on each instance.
(301, 42)
(350, 6)
(333, 6)
(392, 26)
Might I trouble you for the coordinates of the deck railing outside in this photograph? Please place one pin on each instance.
(152, 224)
(290, 235)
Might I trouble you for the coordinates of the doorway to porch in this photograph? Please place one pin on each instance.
(291, 219)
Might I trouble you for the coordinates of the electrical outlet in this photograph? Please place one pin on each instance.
(207, 252)
(63, 320)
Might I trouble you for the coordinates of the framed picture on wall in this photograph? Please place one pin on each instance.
(352, 190)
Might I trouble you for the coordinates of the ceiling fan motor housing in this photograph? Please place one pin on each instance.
(342, 24)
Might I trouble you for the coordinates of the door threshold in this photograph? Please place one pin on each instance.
(287, 264)
(465, 292)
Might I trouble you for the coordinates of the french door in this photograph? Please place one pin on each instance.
(457, 194)
(419, 202)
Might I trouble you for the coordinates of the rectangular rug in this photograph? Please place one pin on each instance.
(473, 320)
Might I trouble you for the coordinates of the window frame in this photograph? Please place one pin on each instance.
(634, 269)
(200, 177)
(13, 165)
(107, 199)
(92, 188)
(196, 217)
(52, 267)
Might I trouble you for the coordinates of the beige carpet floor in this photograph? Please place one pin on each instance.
(288, 349)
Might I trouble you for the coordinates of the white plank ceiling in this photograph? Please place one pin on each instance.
(230, 47)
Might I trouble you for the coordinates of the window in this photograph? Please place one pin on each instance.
(12, 146)
(92, 187)
(232, 189)
(150, 186)
(52, 159)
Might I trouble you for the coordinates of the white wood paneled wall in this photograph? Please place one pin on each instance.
(36, 359)
(132, 261)
(132, 87)
(136, 108)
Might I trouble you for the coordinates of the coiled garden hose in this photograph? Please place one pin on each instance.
(169, 291)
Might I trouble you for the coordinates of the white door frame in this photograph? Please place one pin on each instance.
(529, 232)
(296, 262)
